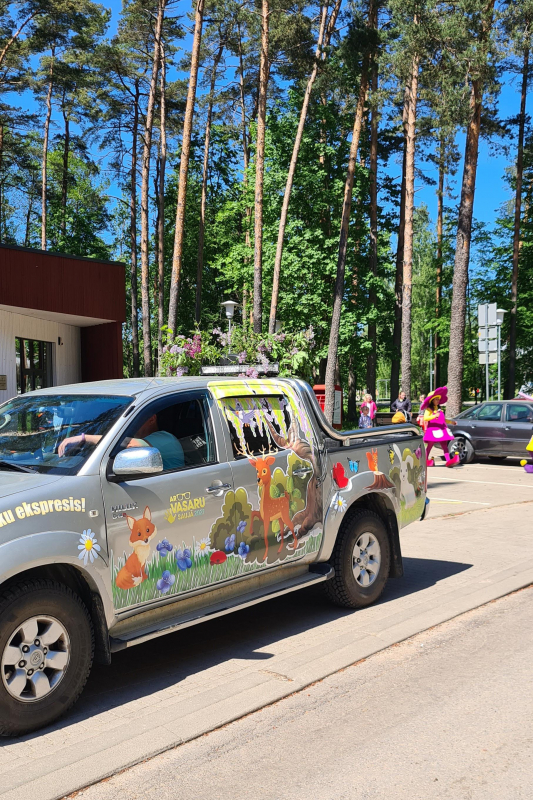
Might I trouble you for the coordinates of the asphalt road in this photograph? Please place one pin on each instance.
(483, 484)
(446, 714)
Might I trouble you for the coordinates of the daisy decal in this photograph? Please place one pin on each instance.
(88, 547)
(339, 503)
(203, 546)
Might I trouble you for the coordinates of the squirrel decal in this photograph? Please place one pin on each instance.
(142, 531)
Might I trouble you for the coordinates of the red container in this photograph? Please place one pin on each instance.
(320, 392)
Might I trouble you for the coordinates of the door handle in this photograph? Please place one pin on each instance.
(218, 488)
(507, 428)
(302, 471)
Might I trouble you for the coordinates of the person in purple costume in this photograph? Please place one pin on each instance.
(436, 426)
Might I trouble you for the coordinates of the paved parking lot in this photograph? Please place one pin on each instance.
(483, 484)
(178, 687)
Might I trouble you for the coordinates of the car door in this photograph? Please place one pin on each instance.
(487, 429)
(159, 525)
(278, 496)
(518, 428)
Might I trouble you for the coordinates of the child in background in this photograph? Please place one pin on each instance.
(372, 408)
(420, 418)
(364, 419)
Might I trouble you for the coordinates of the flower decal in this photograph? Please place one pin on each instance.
(244, 549)
(229, 544)
(166, 582)
(241, 527)
(203, 546)
(88, 547)
(183, 559)
(164, 548)
(339, 503)
(218, 557)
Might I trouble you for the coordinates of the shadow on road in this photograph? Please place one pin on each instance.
(156, 665)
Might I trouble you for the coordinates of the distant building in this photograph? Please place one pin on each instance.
(60, 319)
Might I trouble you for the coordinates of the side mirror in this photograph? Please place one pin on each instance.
(138, 461)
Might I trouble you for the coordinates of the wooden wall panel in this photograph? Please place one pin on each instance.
(62, 284)
(101, 352)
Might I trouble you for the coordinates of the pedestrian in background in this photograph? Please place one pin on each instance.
(364, 419)
(420, 418)
(372, 408)
(403, 404)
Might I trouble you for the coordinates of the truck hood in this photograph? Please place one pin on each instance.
(15, 482)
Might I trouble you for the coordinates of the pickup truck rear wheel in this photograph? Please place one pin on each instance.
(361, 560)
(46, 653)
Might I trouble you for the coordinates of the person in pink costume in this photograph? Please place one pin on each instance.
(436, 426)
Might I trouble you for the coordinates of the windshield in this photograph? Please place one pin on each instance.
(55, 434)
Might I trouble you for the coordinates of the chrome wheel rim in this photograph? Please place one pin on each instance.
(366, 559)
(35, 658)
(458, 447)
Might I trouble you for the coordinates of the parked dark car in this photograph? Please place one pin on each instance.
(493, 429)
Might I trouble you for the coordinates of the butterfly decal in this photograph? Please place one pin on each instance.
(391, 455)
(418, 452)
(354, 466)
(339, 476)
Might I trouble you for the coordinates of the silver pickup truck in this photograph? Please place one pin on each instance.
(130, 509)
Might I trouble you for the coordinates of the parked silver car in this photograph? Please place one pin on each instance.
(494, 429)
(131, 509)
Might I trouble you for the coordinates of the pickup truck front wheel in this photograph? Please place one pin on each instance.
(361, 560)
(46, 653)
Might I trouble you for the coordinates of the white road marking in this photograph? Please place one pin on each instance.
(470, 502)
(487, 483)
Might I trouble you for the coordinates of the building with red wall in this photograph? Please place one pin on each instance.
(60, 319)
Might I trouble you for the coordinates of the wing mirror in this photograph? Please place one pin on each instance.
(138, 461)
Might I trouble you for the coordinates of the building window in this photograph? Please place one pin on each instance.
(34, 365)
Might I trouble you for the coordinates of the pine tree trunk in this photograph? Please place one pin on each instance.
(352, 391)
(260, 170)
(45, 149)
(408, 234)
(145, 186)
(510, 393)
(324, 37)
(464, 236)
(179, 236)
(161, 207)
(205, 169)
(440, 222)
(372, 327)
(133, 234)
(64, 182)
(1, 167)
(246, 160)
(28, 214)
(343, 240)
(398, 282)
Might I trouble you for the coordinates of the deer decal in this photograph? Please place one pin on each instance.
(270, 508)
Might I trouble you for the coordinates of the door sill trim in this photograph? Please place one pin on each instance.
(214, 610)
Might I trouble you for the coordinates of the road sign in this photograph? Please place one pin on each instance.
(488, 333)
(486, 314)
(492, 345)
(493, 358)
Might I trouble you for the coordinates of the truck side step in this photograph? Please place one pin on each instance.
(321, 572)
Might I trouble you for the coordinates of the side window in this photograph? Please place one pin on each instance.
(471, 413)
(490, 412)
(516, 412)
(179, 427)
(257, 424)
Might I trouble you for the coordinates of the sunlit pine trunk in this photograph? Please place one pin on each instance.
(372, 326)
(260, 170)
(398, 282)
(45, 149)
(440, 229)
(408, 231)
(343, 239)
(161, 205)
(133, 233)
(324, 37)
(177, 255)
(64, 180)
(205, 171)
(510, 393)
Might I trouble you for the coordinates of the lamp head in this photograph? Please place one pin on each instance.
(230, 306)
(499, 315)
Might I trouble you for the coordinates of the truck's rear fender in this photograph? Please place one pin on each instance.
(383, 505)
(47, 556)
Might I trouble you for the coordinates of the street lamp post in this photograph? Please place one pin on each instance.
(499, 321)
(230, 306)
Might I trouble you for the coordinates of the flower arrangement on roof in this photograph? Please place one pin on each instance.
(253, 352)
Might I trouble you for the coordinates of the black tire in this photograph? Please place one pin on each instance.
(343, 589)
(43, 598)
(463, 448)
